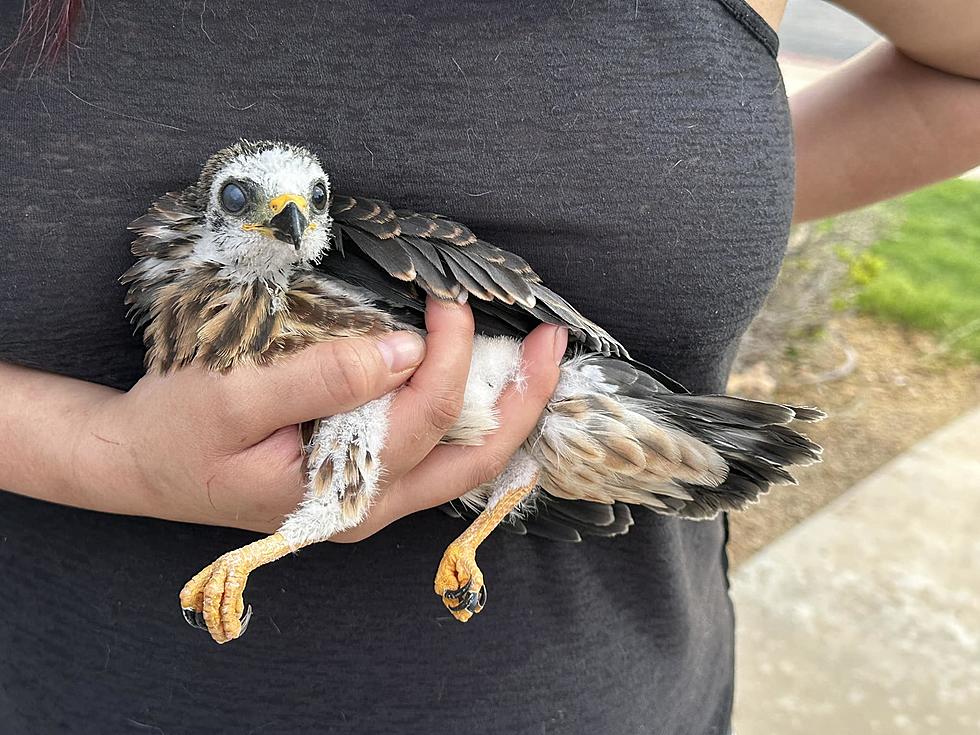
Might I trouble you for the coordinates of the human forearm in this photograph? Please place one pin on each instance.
(42, 420)
(879, 126)
(192, 445)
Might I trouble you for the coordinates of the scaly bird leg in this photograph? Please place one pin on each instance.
(341, 481)
(459, 581)
(212, 600)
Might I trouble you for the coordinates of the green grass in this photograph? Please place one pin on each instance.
(925, 273)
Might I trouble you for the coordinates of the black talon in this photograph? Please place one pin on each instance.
(245, 619)
(459, 593)
(463, 604)
(478, 600)
(194, 618)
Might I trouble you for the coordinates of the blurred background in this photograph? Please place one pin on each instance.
(858, 594)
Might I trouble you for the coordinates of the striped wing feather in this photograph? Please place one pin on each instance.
(426, 253)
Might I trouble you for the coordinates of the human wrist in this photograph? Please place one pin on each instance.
(104, 470)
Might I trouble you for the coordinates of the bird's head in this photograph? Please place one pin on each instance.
(265, 207)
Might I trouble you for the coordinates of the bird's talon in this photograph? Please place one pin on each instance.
(459, 582)
(194, 618)
(475, 601)
(459, 593)
(245, 619)
(212, 600)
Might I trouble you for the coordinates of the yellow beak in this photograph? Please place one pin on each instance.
(277, 204)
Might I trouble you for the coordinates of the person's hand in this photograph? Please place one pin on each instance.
(218, 449)
(420, 474)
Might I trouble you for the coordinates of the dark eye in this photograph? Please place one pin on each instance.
(233, 198)
(319, 197)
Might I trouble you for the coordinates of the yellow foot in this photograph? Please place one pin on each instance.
(213, 600)
(459, 582)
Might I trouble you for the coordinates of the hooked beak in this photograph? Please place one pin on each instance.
(289, 225)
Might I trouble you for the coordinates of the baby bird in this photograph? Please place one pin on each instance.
(256, 261)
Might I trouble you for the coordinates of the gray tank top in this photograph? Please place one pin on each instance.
(638, 154)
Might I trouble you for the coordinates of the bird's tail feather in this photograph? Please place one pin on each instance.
(613, 435)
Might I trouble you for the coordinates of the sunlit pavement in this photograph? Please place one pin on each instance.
(866, 617)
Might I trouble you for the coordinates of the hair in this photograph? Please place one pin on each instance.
(45, 33)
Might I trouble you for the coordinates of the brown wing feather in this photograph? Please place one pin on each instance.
(445, 258)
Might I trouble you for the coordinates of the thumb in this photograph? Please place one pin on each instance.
(322, 380)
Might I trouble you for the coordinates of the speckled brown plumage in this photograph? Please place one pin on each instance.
(194, 313)
(204, 318)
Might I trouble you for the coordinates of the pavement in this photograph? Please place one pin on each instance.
(865, 619)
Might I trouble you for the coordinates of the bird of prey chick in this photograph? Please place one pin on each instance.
(257, 260)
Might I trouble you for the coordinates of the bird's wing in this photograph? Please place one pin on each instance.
(401, 255)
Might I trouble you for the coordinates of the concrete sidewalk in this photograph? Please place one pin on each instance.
(866, 617)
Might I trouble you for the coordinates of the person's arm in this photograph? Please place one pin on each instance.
(224, 449)
(904, 114)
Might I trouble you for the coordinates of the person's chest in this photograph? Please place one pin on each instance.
(638, 156)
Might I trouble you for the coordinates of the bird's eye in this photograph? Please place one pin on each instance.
(233, 198)
(319, 197)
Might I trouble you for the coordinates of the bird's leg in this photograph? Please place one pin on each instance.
(459, 581)
(342, 471)
(212, 600)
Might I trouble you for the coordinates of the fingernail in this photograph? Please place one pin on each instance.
(561, 343)
(448, 303)
(401, 350)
